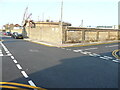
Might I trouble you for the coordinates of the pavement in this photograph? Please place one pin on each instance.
(71, 44)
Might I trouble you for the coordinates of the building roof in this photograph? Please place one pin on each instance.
(53, 23)
(84, 28)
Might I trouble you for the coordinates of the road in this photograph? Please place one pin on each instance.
(51, 67)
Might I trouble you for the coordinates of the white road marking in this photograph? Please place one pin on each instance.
(85, 52)
(104, 58)
(108, 57)
(5, 55)
(77, 50)
(32, 50)
(31, 83)
(115, 60)
(68, 49)
(90, 49)
(112, 46)
(18, 65)
(15, 61)
(1, 43)
(5, 49)
(1, 54)
(12, 57)
(94, 54)
(24, 74)
(9, 54)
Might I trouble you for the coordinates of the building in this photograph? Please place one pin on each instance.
(108, 27)
(46, 31)
(53, 32)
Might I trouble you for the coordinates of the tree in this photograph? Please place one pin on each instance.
(9, 27)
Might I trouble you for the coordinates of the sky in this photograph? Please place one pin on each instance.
(92, 12)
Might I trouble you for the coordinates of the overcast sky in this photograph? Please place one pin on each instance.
(92, 12)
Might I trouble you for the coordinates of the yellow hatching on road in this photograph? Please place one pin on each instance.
(114, 53)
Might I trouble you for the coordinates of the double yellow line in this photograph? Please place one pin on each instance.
(17, 86)
(114, 53)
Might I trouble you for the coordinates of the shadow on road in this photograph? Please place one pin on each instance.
(79, 72)
(11, 40)
(7, 37)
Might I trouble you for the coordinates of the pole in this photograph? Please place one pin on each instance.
(38, 19)
(61, 12)
(62, 21)
(43, 17)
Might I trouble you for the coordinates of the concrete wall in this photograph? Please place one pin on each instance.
(75, 35)
(54, 34)
(113, 35)
(90, 36)
(15, 30)
(45, 33)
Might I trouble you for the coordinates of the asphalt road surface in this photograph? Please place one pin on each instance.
(51, 67)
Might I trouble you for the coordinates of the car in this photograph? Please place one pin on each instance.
(8, 33)
(16, 35)
(5, 33)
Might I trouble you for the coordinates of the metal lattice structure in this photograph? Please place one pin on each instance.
(26, 17)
